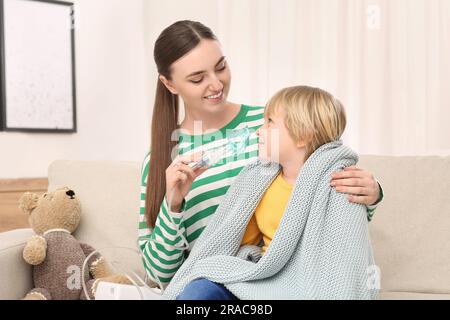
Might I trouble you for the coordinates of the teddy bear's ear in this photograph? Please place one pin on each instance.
(28, 202)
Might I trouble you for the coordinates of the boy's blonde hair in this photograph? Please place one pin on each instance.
(312, 115)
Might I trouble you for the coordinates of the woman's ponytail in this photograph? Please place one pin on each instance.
(164, 124)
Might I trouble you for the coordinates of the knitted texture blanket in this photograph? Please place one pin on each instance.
(321, 249)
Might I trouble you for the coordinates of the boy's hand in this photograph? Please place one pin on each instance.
(360, 185)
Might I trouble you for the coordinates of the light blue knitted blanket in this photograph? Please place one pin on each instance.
(321, 249)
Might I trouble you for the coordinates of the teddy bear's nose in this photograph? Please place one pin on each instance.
(70, 193)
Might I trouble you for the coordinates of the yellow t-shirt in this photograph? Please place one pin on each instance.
(270, 210)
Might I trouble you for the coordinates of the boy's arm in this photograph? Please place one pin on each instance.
(351, 243)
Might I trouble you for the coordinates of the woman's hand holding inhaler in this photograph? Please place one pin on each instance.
(179, 179)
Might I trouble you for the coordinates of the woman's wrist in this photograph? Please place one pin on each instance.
(173, 203)
(380, 195)
(177, 207)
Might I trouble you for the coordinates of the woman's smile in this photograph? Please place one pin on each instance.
(215, 98)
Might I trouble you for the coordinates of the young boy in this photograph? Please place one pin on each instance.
(282, 231)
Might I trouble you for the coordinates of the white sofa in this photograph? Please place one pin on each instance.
(410, 231)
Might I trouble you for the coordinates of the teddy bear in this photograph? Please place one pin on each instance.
(56, 255)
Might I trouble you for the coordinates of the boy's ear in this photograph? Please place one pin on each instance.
(168, 84)
(301, 144)
(305, 140)
(28, 202)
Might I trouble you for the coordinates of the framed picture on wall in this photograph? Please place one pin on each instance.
(38, 91)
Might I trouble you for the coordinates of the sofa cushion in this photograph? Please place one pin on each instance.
(16, 276)
(410, 231)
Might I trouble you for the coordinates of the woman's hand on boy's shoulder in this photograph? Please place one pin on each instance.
(360, 185)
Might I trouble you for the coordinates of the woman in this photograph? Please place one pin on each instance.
(191, 65)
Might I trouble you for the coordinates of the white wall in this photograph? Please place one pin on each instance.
(113, 106)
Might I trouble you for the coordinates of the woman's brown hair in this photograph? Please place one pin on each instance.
(174, 42)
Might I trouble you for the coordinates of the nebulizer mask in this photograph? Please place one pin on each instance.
(233, 146)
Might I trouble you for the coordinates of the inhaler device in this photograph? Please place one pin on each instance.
(235, 145)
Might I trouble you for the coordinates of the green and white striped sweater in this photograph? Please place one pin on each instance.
(175, 233)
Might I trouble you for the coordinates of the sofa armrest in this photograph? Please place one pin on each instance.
(16, 276)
